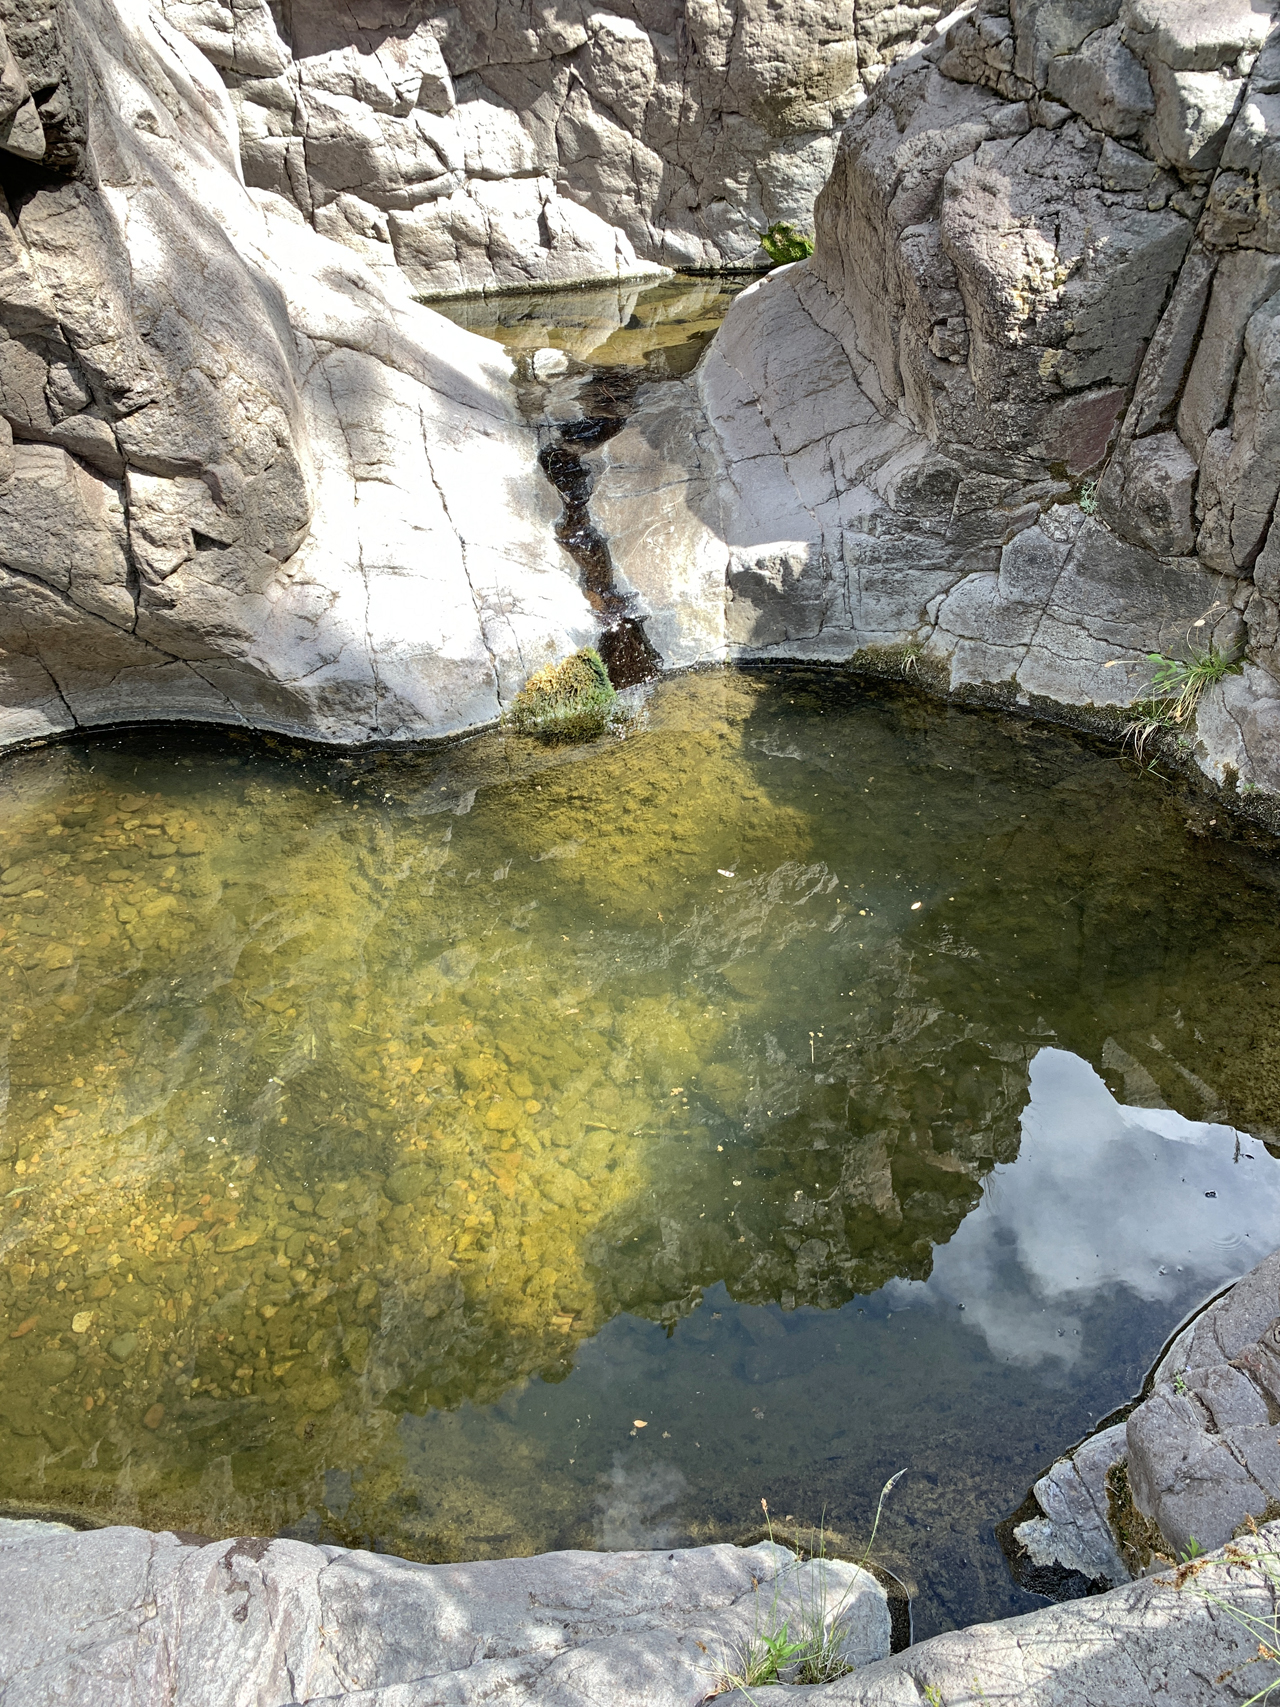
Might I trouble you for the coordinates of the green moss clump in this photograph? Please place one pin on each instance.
(782, 243)
(572, 700)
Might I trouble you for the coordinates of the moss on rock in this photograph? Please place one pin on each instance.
(571, 700)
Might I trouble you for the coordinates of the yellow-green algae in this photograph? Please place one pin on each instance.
(571, 699)
(334, 1092)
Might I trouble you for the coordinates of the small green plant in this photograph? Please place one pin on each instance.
(1177, 687)
(932, 1695)
(571, 700)
(1192, 1550)
(1088, 498)
(1180, 1384)
(816, 1652)
(782, 243)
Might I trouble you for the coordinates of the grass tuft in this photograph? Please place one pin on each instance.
(1262, 1626)
(814, 1652)
(571, 700)
(1177, 687)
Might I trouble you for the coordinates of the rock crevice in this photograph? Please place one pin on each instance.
(1011, 422)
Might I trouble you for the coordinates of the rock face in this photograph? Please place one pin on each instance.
(1011, 427)
(1012, 419)
(1199, 1457)
(1185, 1639)
(120, 1615)
(126, 1615)
(477, 146)
(1201, 1449)
(241, 480)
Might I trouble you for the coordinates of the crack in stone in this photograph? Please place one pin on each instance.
(466, 567)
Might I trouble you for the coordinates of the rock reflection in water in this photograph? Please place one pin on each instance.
(661, 329)
(344, 1101)
(1102, 1197)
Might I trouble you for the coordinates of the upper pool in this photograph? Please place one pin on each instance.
(384, 1141)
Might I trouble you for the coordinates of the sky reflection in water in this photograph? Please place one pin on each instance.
(384, 1138)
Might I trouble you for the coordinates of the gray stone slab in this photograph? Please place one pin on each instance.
(1167, 1640)
(119, 1616)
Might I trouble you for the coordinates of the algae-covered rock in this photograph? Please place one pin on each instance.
(572, 700)
(409, 1182)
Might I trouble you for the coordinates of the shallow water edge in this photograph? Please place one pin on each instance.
(889, 668)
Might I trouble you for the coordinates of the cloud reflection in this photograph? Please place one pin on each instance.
(1101, 1196)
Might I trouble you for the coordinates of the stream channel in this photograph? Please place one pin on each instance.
(506, 1147)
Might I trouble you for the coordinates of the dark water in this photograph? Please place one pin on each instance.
(383, 1141)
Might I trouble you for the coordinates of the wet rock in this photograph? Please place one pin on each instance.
(1074, 1534)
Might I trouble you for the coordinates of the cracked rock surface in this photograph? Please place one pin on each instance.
(121, 1615)
(1014, 419)
(130, 1616)
(242, 479)
(479, 146)
(1199, 1454)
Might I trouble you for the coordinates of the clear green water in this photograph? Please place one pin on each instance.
(383, 1139)
(658, 330)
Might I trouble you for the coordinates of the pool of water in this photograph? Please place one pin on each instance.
(658, 329)
(512, 1147)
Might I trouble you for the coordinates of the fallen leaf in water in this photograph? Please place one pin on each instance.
(639, 1422)
(25, 1327)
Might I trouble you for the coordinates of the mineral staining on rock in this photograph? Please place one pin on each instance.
(475, 149)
